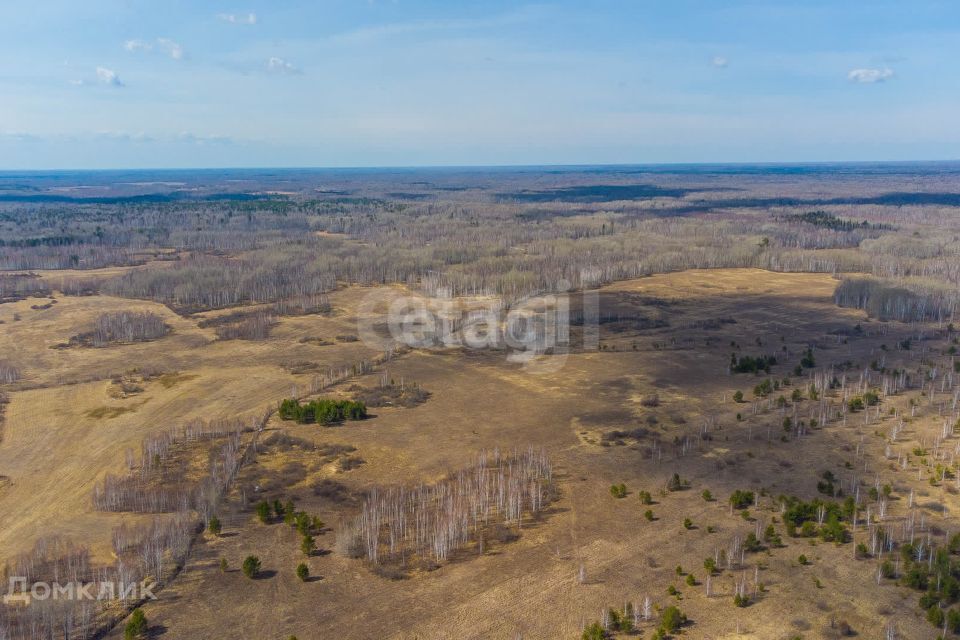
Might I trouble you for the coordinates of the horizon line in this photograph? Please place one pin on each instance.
(741, 163)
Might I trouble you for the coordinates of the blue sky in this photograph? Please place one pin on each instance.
(141, 83)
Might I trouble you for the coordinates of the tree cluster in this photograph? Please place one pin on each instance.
(751, 364)
(401, 524)
(322, 411)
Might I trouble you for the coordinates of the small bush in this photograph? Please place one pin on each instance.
(214, 526)
(844, 629)
(303, 572)
(953, 620)
(676, 483)
(263, 512)
(251, 566)
(752, 544)
(672, 619)
(652, 400)
(935, 616)
(763, 389)
(771, 536)
(887, 569)
(302, 522)
(594, 632)
(618, 490)
(136, 626)
(742, 499)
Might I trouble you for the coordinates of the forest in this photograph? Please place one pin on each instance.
(465, 233)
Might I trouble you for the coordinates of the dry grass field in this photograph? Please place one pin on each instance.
(662, 366)
(66, 424)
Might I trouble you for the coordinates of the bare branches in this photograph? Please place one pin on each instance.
(889, 301)
(158, 484)
(398, 524)
(123, 327)
(146, 553)
(255, 326)
(8, 372)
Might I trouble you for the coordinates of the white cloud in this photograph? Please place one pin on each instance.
(869, 76)
(234, 18)
(279, 65)
(192, 138)
(108, 76)
(719, 61)
(171, 48)
(164, 45)
(363, 35)
(123, 136)
(137, 45)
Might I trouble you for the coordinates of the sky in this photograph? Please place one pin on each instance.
(343, 83)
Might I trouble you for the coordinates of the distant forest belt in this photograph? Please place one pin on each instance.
(136, 199)
(501, 232)
(602, 193)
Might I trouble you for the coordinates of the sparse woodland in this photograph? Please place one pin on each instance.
(230, 252)
(156, 483)
(894, 252)
(181, 475)
(154, 551)
(127, 327)
(416, 526)
(151, 552)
